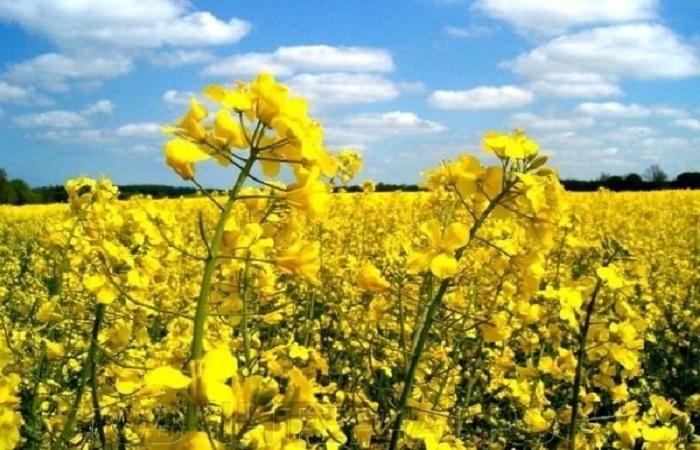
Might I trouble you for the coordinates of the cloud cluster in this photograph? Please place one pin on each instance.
(588, 48)
(59, 119)
(361, 129)
(287, 61)
(538, 122)
(326, 75)
(86, 32)
(12, 93)
(129, 24)
(483, 97)
(592, 62)
(547, 17)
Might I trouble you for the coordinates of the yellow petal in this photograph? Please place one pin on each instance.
(107, 294)
(219, 364)
(181, 156)
(456, 236)
(443, 266)
(93, 282)
(167, 377)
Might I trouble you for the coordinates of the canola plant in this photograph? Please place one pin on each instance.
(491, 311)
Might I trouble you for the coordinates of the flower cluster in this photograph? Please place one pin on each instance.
(492, 310)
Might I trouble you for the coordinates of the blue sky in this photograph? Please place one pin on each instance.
(604, 86)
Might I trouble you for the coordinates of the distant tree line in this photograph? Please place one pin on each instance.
(17, 192)
(654, 178)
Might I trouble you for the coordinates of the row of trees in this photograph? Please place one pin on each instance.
(654, 178)
(17, 192)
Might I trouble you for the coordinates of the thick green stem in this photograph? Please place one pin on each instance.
(32, 427)
(421, 337)
(70, 423)
(418, 346)
(96, 413)
(583, 337)
(246, 306)
(197, 348)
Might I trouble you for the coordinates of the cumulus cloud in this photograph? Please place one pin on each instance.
(689, 123)
(86, 31)
(628, 111)
(286, 61)
(361, 129)
(54, 71)
(591, 63)
(100, 107)
(394, 122)
(613, 109)
(177, 58)
(575, 84)
(642, 51)
(139, 130)
(130, 24)
(529, 120)
(175, 98)
(12, 93)
(51, 119)
(547, 17)
(473, 31)
(324, 89)
(483, 97)
(58, 119)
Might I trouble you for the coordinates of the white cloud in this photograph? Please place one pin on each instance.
(179, 58)
(548, 17)
(629, 111)
(670, 112)
(139, 130)
(613, 109)
(574, 84)
(530, 120)
(247, 64)
(60, 119)
(473, 31)
(631, 132)
(343, 88)
(128, 24)
(12, 93)
(592, 62)
(53, 71)
(394, 122)
(100, 107)
(286, 61)
(76, 134)
(51, 119)
(690, 124)
(484, 97)
(98, 40)
(173, 97)
(361, 129)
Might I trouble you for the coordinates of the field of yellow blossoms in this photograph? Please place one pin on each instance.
(491, 311)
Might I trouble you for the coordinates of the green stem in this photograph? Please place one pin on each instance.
(55, 285)
(579, 364)
(244, 322)
(33, 425)
(70, 423)
(402, 330)
(421, 337)
(418, 346)
(96, 413)
(197, 348)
